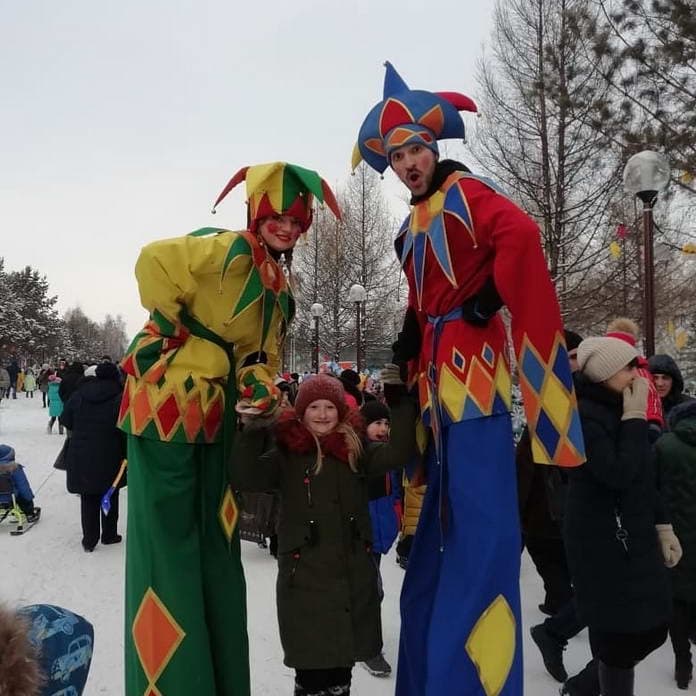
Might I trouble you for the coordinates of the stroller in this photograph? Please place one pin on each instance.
(258, 518)
(10, 509)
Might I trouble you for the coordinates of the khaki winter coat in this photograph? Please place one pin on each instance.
(327, 597)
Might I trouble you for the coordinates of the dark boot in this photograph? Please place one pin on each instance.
(615, 681)
(584, 683)
(683, 672)
(551, 649)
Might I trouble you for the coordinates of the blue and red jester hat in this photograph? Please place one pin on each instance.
(406, 116)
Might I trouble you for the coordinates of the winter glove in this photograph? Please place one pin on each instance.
(257, 394)
(390, 374)
(393, 383)
(480, 308)
(408, 342)
(253, 418)
(635, 399)
(671, 548)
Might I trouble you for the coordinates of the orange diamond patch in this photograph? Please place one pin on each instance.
(228, 514)
(156, 636)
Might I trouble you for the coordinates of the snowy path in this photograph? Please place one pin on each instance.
(49, 565)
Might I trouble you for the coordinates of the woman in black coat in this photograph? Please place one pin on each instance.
(95, 451)
(616, 537)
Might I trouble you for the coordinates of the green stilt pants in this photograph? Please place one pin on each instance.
(185, 592)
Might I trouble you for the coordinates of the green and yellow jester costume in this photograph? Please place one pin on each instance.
(219, 305)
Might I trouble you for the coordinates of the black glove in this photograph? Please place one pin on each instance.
(480, 308)
(408, 341)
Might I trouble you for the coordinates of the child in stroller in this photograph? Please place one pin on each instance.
(16, 496)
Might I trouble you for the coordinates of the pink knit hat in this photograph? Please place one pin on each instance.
(321, 387)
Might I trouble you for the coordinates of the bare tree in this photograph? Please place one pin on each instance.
(535, 137)
(338, 254)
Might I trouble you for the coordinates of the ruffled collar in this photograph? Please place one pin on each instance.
(294, 437)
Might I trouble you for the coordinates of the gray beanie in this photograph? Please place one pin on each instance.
(601, 357)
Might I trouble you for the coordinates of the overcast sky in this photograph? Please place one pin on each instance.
(120, 121)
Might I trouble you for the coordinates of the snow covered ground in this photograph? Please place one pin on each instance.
(48, 565)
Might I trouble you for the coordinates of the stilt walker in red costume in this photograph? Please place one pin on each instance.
(466, 249)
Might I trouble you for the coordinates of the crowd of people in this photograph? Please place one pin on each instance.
(219, 448)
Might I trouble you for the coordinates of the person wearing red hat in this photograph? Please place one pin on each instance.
(220, 303)
(466, 249)
(327, 589)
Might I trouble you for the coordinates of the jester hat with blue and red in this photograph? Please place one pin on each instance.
(406, 116)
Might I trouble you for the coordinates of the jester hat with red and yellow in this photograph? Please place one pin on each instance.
(406, 116)
(279, 188)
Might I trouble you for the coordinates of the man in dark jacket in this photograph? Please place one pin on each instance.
(95, 452)
(676, 460)
(668, 381)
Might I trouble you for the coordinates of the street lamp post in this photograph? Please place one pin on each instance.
(358, 295)
(316, 310)
(645, 175)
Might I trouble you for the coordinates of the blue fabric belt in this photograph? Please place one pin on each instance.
(438, 323)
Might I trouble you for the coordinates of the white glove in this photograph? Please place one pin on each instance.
(390, 374)
(671, 548)
(635, 399)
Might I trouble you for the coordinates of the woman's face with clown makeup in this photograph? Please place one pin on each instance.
(280, 232)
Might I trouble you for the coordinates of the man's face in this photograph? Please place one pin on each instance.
(663, 384)
(415, 165)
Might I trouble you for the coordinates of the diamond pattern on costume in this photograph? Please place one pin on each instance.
(503, 382)
(474, 393)
(156, 636)
(491, 645)
(458, 360)
(167, 416)
(170, 414)
(488, 354)
(551, 405)
(228, 514)
(141, 411)
(192, 419)
(480, 385)
(453, 393)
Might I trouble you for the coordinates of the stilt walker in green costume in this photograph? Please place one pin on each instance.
(219, 304)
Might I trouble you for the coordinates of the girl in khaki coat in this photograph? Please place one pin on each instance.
(328, 607)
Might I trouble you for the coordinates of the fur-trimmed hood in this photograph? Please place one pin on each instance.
(294, 437)
(19, 666)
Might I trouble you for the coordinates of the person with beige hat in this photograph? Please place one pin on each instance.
(618, 542)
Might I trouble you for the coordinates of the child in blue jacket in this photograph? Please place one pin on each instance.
(385, 495)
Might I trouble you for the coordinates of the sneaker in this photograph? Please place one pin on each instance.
(33, 515)
(551, 650)
(49, 428)
(377, 666)
(87, 548)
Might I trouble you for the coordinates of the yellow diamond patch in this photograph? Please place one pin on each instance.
(491, 645)
(556, 402)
